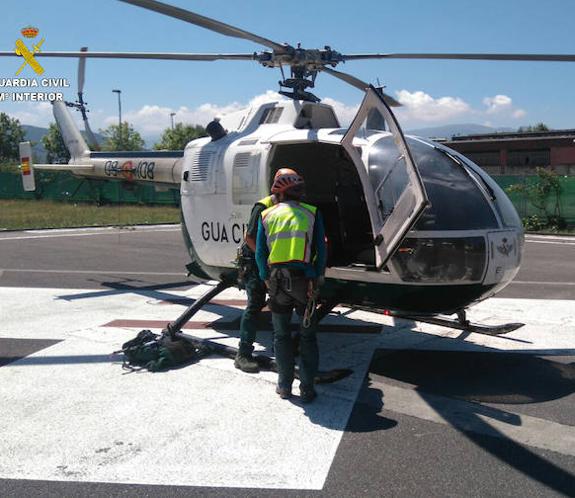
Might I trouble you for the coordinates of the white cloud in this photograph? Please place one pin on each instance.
(344, 112)
(519, 113)
(419, 109)
(34, 113)
(154, 119)
(498, 103)
(502, 104)
(422, 107)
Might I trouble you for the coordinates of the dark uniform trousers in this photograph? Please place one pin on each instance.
(256, 293)
(288, 290)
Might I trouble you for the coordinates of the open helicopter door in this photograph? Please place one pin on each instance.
(394, 191)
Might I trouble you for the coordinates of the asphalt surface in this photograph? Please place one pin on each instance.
(156, 255)
(382, 452)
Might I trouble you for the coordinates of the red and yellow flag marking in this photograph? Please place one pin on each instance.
(26, 170)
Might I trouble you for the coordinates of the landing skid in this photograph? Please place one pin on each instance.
(173, 329)
(265, 362)
(461, 323)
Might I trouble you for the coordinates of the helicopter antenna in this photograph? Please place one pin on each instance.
(80, 105)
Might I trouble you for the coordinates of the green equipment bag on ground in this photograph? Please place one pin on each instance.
(156, 352)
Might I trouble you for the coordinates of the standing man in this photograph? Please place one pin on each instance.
(255, 289)
(291, 256)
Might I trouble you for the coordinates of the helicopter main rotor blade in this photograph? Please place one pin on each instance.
(141, 55)
(348, 78)
(81, 70)
(361, 85)
(476, 57)
(204, 22)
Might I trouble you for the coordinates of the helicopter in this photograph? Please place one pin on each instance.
(413, 228)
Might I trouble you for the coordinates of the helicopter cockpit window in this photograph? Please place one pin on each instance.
(504, 206)
(434, 260)
(375, 121)
(271, 115)
(456, 201)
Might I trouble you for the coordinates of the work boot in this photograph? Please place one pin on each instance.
(246, 363)
(284, 392)
(307, 394)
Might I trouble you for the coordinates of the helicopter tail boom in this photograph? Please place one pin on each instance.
(73, 139)
(161, 168)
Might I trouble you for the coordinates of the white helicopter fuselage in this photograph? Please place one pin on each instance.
(460, 244)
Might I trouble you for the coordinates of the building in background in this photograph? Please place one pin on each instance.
(518, 154)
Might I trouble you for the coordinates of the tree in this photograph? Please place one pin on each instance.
(124, 138)
(55, 147)
(179, 136)
(11, 134)
(539, 127)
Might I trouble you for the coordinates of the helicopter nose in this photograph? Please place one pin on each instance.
(504, 257)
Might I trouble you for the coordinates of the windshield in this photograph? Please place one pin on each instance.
(503, 204)
(456, 201)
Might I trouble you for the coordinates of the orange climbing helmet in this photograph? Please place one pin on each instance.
(286, 179)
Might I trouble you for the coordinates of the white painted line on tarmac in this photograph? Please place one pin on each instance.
(549, 237)
(535, 282)
(94, 272)
(88, 234)
(102, 228)
(551, 242)
(474, 417)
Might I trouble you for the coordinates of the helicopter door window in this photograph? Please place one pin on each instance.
(391, 182)
(245, 173)
(389, 179)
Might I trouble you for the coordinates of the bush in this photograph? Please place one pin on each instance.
(536, 223)
(545, 195)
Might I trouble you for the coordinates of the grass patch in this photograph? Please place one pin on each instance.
(23, 214)
(10, 168)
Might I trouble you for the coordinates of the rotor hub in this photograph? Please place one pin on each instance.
(304, 65)
(312, 59)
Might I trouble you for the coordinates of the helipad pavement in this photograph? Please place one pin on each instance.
(69, 411)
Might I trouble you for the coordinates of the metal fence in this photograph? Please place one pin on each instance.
(61, 186)
(525, 208)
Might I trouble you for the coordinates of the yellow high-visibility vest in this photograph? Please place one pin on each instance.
(266, 201)
(289, 232)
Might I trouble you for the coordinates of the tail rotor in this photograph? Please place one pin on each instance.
(80, 105)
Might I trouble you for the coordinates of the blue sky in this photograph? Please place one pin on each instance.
(434, 92)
